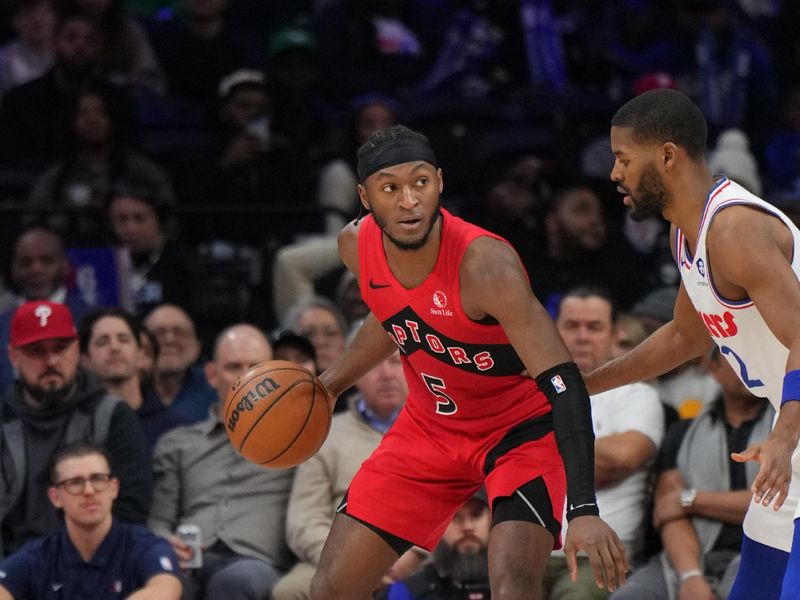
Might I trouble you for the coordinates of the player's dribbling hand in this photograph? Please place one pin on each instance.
(772, 481)
(330, 397)
(606, 552)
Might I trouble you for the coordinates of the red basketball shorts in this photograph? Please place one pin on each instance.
(415, 481)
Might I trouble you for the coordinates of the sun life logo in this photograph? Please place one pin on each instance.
(440, 304)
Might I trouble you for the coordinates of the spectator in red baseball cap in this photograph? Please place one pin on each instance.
(39, 270)
(41, 320)
(43, 350)
(54, 402)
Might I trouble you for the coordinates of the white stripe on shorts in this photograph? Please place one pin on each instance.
(536, 514)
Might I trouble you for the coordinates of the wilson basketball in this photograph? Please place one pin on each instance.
(277, 414)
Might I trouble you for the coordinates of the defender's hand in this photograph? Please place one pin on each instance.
(772, 481)
(605, 550)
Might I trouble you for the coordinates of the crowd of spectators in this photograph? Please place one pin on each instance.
(193, 135)
(142, 392)
(171, 169)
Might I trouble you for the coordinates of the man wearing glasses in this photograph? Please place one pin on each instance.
(52, 403)
(94, 556)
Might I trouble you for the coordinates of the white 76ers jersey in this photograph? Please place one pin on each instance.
(743, 337)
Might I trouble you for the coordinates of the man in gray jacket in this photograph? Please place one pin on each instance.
(52, 403)
(322, 481)
(239, 507)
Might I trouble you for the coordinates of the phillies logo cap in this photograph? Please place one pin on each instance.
(41, 320)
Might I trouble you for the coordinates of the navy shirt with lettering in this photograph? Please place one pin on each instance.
(50, 568)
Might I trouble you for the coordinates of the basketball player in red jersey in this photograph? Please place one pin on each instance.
(457, 303)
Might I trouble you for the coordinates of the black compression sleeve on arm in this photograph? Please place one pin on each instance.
(572, 424)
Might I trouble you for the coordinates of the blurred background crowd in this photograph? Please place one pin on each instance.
(191, 162)
(207, 139)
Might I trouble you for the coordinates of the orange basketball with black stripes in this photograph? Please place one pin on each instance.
(277, 414)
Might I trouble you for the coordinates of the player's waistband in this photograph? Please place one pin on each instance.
(526, 431)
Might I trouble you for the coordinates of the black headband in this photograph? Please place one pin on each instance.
(394, 152)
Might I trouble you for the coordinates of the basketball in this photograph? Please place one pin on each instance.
(277, 414)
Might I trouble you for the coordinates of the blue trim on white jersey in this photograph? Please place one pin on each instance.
(689, 260)
(744, 303)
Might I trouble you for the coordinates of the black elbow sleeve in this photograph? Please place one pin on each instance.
(572, 424)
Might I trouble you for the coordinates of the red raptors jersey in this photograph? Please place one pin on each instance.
(461, 374)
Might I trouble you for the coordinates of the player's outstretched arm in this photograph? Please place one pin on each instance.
(493, 283)
(371, 344)
(750, 251)
(680, 340)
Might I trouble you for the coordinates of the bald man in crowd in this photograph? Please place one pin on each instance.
(240, 507)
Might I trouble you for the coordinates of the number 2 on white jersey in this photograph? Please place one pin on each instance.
(444, 406)
(743, 375)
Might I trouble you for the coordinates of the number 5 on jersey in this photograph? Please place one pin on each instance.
(444, 406)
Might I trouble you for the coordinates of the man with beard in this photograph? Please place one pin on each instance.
(111, 348)
(739, 265)
(459, 569)
(39, 269)
(456, 301)
(53, 403)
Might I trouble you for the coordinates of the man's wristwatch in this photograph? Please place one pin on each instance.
(687, 497)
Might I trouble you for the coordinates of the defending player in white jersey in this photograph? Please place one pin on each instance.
(739, 259)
